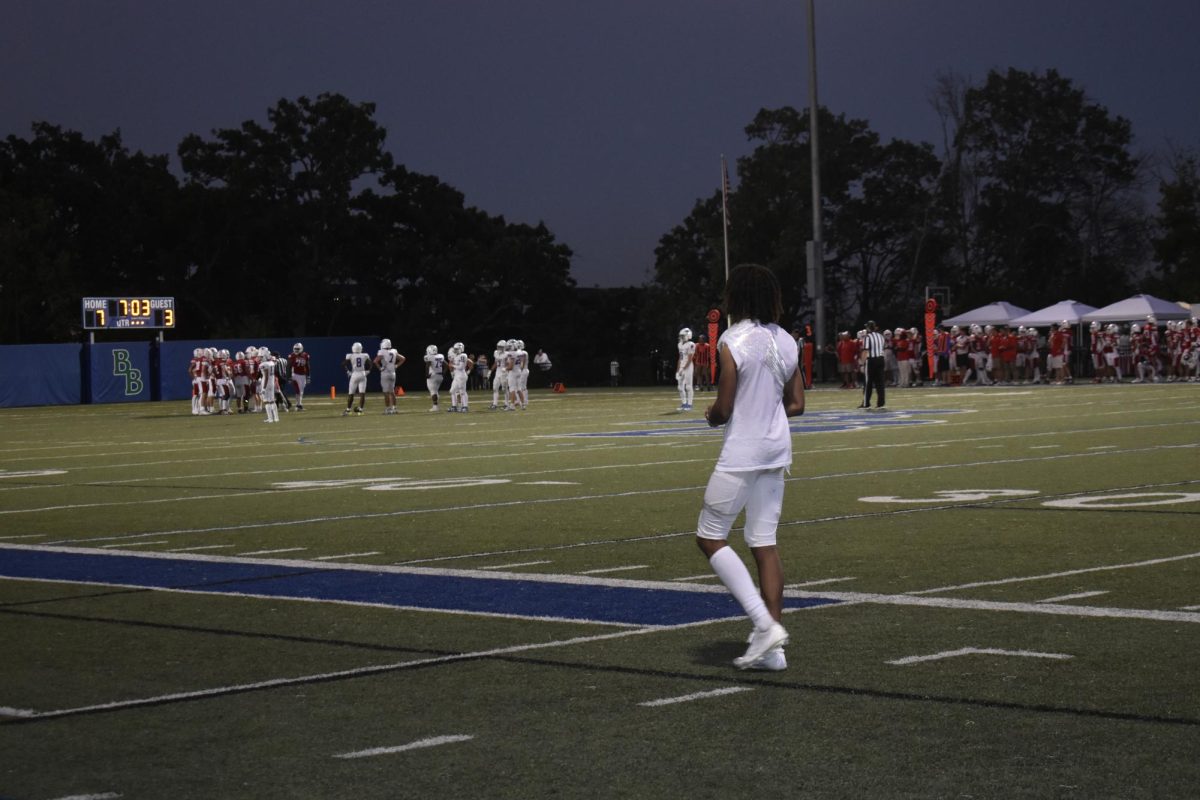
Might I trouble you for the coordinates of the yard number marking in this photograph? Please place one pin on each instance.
(1133, 500)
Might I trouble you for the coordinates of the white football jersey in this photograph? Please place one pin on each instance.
(520, 359)
(435, 364)
(359, 362)
(498, 360)
(458, 363)
(686, 350)
(388, 360)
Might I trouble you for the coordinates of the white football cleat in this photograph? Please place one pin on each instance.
(762, 642)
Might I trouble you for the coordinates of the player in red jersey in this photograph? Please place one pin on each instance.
(197, 371)
(300, 363)
(702, 359)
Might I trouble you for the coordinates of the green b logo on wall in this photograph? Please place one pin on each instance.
(123, 368)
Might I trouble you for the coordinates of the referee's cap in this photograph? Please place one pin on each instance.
(871, 325)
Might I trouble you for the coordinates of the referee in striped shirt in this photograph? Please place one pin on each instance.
(873, 344)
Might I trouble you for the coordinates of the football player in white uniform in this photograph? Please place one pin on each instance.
(435, 368)
(357, 364)
(519, 378)
(460, 367)
(267, 385)
(499, 375)
(386, 361)
(684, 369)
(510, 373)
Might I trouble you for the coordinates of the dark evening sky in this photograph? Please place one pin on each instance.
(604, 119)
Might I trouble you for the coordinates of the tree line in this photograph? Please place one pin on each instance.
(305, 224)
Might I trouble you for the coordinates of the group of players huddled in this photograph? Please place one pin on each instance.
(252, 381)
(249, 381)
(1001, 355)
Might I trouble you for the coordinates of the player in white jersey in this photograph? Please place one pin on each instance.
(511, 373)
(386, 361)
(460, 367)
(518, 378)
(267, 386)
(760, 386)
(499, 375)
(683, 368)
(435, 369)
(357, 364)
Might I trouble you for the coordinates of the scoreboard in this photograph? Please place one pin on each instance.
(104, 313)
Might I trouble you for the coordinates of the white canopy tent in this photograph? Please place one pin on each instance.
(1136, 308)
(1067, 311)
(998, 313)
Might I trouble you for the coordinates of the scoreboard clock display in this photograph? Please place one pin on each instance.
(104, 313)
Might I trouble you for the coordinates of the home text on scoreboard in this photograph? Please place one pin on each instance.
(103, 313)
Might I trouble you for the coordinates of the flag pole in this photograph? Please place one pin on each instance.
(725, 212)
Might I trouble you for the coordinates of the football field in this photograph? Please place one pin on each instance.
(992, 592)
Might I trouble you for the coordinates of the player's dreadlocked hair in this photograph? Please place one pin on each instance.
(752, 292)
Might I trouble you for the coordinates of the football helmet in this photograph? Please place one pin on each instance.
(520, 344)
(511, 344)
(912, 331)
(1095, 326)
(458, 348)
(197, 353)
(1135, 328)
(356, 348)
(685, 334)
(989, 328)
(976, 330)
(386, 344)
(223, 354)
(1114, 328)
(501, 344)
(1150, 320)
(955, 330)
(297, 348)
(239, 355)
(431, 350)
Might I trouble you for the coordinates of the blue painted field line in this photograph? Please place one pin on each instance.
(585, 602)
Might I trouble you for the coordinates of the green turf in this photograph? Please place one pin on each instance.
(552, 717)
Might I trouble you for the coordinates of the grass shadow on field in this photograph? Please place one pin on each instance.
(718, 654)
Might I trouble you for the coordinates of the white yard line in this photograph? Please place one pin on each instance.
(24, 536)
(706, 576)
(818, 583)
(1051, 575)
(1076, 596)
(434, 741)
(101, 796)
(200, 547)
(355, 672)
(970, 651)
(614, 569)
(687, 698)
(514, 566)
(272, 552)
(851, 598)
(1190, 608)
(347, 555)
(6, 711)
(132, 544)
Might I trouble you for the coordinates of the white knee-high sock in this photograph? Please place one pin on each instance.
(733, 573)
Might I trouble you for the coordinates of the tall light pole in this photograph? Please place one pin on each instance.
(815, 250)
